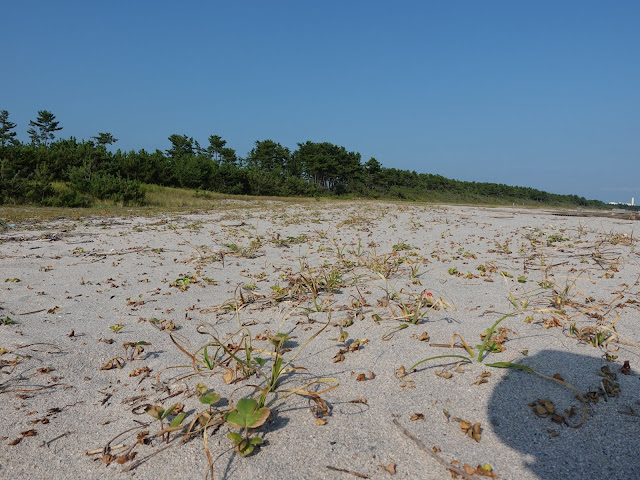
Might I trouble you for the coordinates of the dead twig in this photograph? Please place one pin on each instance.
(431, 453)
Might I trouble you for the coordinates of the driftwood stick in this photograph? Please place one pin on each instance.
(431, 453)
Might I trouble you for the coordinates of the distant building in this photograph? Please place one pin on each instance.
(632, 204)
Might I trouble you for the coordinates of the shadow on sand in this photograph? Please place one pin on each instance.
(606, 446)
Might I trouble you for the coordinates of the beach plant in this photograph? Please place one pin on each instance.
(247, 416)
(160, 414)
(207, 398)
(117, 327)
(488, 345)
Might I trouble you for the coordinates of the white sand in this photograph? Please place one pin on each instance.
(85, 276)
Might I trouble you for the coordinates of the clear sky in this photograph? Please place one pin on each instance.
(536, 93)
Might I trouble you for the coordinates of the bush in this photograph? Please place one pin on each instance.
(107, 187)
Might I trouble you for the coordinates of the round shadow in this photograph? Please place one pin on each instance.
(606, 446)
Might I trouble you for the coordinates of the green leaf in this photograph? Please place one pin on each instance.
(510, 365)
(440, 356)
(210, 398)
(246, 415)
(235, 437)
(255, 441)
(201, 389)
(169, 410)
(245, 449)
(177, 420)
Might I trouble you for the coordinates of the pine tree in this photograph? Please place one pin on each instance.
(7, 137)
(46, 125)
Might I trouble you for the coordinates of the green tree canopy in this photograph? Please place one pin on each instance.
(328, 165)
(7, 136)
(269, 156)
(181, 145)
(105, 139)
(42, 128)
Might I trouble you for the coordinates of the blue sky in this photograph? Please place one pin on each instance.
(541, 93)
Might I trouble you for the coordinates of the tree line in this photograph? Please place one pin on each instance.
(69, 172)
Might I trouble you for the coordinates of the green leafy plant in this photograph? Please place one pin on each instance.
(183, 283)
(6, 321)
(246, 416)
(207, 398)
(157, 412)
(117, 327)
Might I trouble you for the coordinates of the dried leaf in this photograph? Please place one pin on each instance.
(15, 441)
(444, 374)
(116, 362)
(338, 358)
(416, 416)
(228, 377)
(424, 337)
(469, 469)
(391, 468)
(321, 421)
(476, 431)
(485, 470)
(626, 368)
(29, 433)
(361, 377)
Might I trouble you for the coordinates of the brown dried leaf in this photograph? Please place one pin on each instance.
(15, 441)
(391, 468)
(108, 458)
(469, 469)
(338, 358)
(476, 431)
(626, 368)
(361, 377)
(540, 411)
(116, 362)
(228, 377)
(444, 374)
(485, 470)
(321, 421)
(424, 337)
(29, 433)
(416, 416)
(139, 371)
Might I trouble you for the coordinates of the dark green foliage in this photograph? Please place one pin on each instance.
(105, 139)
(7, 135)
(68, 172)
(42, 128)
(106, 186)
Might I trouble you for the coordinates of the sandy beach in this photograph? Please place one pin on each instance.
(361, 292)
